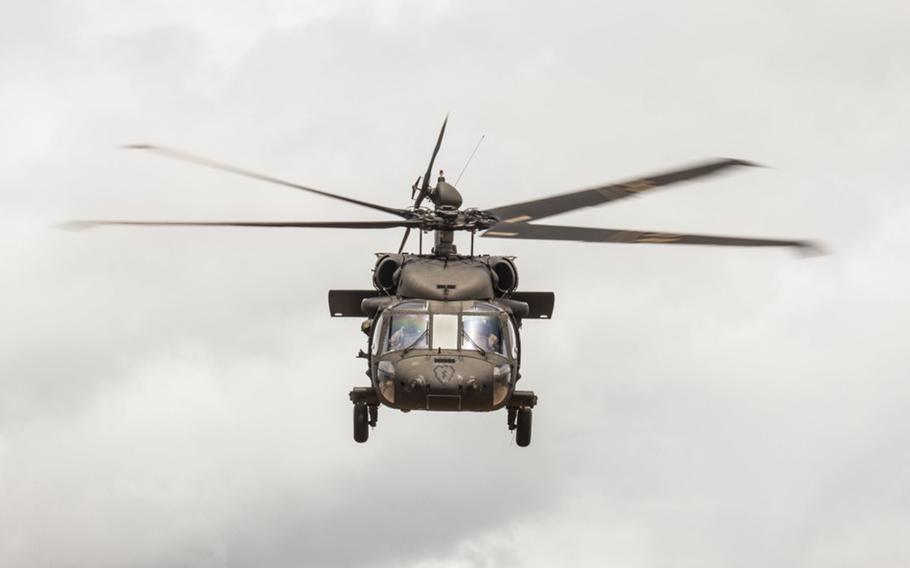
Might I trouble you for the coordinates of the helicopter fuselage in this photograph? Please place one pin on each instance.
(444, 355)
(443, 333)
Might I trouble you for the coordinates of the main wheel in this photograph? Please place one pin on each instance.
(523, 435)
(361, 422)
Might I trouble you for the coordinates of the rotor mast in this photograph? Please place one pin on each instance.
(445, 243)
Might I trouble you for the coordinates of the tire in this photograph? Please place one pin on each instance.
(361, 423)
(523, 434)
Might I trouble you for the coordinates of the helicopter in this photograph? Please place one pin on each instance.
(442, 327)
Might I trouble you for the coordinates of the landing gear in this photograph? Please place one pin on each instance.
(366, 412)
(519, 416)
(361, 422)
(523, 435)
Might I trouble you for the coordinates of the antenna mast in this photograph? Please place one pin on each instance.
(471, 157)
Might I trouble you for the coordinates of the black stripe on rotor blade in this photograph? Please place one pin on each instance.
(592, 235)
(540, 208)
(186, 157)
(80, 225)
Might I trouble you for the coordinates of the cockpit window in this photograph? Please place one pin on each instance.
(482, 331)
(445, 331)
(412, 305)
(407, 331)
(482, 307)
(481, 326)
(376, 338)
(513, 342)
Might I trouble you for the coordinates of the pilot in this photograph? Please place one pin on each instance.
(408, 331)
(395, 340)
(493, 342)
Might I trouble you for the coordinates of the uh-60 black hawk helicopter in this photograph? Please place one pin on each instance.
(443, 327)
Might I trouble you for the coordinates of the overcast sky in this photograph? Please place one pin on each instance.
(179, 397)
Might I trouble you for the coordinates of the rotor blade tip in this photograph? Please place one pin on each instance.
(74, 225)
(747, 163)
(809, 249)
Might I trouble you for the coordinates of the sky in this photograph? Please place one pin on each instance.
(179, 397)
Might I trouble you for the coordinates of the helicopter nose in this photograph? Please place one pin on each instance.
(436, 383)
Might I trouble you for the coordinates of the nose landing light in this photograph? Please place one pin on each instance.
(418, 383)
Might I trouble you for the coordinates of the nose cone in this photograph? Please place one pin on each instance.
(444, 383)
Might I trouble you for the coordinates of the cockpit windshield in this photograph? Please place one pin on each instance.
(482, 331)
(480, 326)
(407, 331)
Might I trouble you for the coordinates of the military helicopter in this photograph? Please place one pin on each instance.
(443, 327)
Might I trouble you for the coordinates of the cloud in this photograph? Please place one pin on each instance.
(180, 397)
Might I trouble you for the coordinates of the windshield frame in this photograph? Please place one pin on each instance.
(466, 343)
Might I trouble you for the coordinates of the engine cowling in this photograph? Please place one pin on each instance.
(504, 275)
(387, 273)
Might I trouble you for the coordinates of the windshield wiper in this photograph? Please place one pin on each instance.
(474, 343)
(415, 342)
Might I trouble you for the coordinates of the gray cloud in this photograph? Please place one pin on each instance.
(180, 397)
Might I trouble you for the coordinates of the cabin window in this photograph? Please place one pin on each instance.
(484, 332)
(445, 331)
(407, 331)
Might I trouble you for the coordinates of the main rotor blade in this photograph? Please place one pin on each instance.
(186, 157)
(540, 208)
(425, 186)
(81, 225)
(404, 240)
(592, 235)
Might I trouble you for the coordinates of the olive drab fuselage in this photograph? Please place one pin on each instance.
(444, 355)
(443, 333)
